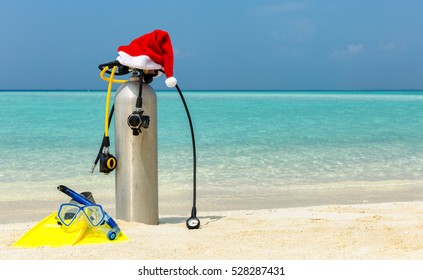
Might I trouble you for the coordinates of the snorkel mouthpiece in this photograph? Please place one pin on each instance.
(113, 233)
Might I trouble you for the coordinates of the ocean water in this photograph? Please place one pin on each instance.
(256, 149)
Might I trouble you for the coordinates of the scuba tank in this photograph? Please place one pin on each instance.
(136, 163)
(136, 149)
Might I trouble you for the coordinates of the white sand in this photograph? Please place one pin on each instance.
(367, 231)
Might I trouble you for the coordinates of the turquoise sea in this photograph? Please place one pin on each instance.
(256, 149)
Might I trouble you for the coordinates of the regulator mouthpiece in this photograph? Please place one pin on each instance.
(137, 120)
(107, 162)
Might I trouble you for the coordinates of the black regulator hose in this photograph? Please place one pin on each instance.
(121, 69)
(112, 110)
(193, 222)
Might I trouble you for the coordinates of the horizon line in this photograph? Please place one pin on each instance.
(170, 89)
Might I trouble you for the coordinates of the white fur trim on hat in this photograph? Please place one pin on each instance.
(142, 62)
(171, 82)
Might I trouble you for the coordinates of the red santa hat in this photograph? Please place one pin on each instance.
(152, 51)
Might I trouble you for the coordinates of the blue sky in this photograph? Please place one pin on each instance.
(221, 44)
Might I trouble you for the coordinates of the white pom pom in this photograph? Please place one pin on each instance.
(171, 82)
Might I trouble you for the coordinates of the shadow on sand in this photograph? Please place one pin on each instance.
(178, 220)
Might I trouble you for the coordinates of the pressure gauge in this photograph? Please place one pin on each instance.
(193, 223)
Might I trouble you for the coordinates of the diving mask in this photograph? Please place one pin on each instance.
(71, 213)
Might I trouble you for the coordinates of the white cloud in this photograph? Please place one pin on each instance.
(351, 49)
(392, 46)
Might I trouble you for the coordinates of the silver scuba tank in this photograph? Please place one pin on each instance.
(137, 168)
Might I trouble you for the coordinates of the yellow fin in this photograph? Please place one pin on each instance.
(48, 233)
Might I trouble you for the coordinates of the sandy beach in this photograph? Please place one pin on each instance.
(382, 231)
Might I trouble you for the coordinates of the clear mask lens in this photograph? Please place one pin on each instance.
(68, 213)
(94, 214)
(71, 213)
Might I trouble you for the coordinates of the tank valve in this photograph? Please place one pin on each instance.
(137, 120)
